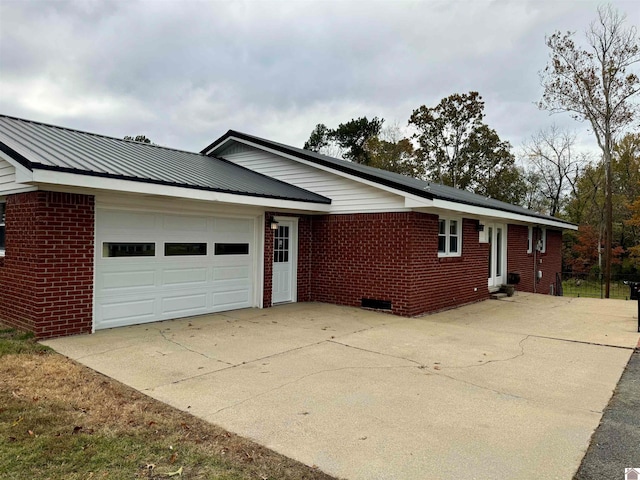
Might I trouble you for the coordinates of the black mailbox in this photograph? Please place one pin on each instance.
(635, 288)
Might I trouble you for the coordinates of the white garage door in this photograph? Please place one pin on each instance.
(153, 266)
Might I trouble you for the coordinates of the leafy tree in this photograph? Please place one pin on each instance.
(353, 135)
(587, 250)
(587, 204)
(395, 157)
(138, 138)
(555, 167)
(459, 150)
(592, 83)
(634, 221)
(320, 138)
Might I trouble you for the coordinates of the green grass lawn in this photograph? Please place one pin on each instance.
(61, 420)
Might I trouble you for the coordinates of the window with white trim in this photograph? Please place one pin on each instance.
(2, 227)
(449, 237)
(539, 234)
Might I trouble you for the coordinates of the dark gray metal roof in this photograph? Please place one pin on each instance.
(400, 182)
(47, 147)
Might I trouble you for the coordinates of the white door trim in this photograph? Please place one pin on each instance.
(293, 256)
(495, 281)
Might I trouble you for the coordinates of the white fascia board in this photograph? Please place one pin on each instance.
(129, 186)
(295, 158)
(490, 212)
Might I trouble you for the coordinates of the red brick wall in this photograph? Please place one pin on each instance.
(393, 257)
(518, 260)
(46, 282)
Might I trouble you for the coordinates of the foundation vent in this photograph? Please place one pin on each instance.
(377, 304)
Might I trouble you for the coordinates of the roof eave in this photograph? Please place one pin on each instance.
(232, 135)
(50, 176)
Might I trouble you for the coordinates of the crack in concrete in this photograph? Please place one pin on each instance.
(420, 365)
(162, 334)
(584, 342)
(497, 360)
(480, 386)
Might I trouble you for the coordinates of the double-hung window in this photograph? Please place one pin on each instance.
(449, 237)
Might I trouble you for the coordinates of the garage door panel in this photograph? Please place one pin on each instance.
(188, 303)
(233, 226)
(127, 221)
(128, 311)
(231, 299)
(184, 282)
(184, 276)
(185, 223)
(111, 281)
(221, 274)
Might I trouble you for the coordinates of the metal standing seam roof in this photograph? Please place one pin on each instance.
(40, 146)
(422, 188)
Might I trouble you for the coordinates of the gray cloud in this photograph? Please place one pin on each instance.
(184, 72)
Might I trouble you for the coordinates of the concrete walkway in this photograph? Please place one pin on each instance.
(499, 389)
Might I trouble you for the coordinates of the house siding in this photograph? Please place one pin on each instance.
(8, 183)
(46, 277)
(346, 195)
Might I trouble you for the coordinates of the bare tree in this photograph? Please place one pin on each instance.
(593, 84)
(553, 163)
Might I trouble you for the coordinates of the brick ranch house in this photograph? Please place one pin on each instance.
(98, 232)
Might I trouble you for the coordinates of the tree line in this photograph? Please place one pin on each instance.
(450, 143)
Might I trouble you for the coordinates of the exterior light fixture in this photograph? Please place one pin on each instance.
(274, 224)
(480, 227)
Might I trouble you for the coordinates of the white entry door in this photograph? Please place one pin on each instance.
(285, 243)
(497, 236)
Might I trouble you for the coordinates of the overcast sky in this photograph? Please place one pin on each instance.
(184, 72)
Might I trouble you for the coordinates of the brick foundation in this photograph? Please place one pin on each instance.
(46, 279)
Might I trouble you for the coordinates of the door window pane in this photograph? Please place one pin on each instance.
(281, 244)
(490, 235)
(498, 252)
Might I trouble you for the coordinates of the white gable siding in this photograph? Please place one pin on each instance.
(8, 184)
(347, 196)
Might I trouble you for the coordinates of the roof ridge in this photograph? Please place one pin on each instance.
(429, 189)
(100, 135)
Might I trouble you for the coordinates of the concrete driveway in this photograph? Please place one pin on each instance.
(499, 389)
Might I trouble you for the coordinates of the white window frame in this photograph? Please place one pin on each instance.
(447, 236)
(543, 239)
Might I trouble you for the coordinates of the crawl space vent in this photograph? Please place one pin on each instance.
(377, 304)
